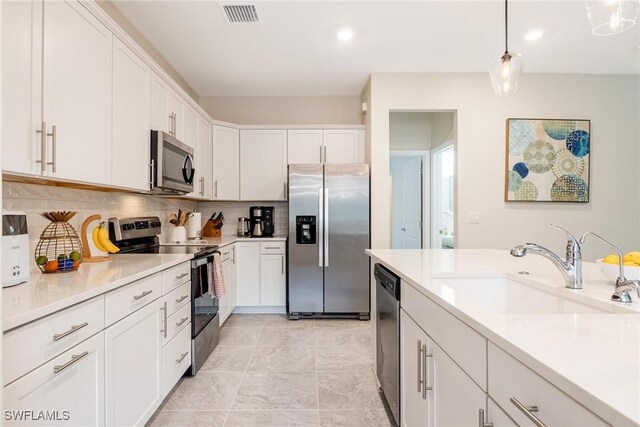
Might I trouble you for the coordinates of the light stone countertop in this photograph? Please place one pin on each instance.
(594, 358)
(45, 294)
(225, 240)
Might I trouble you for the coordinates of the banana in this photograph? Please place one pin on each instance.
(103, 238)
(96, 242)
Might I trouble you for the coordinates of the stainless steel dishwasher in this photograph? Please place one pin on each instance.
(388, 336)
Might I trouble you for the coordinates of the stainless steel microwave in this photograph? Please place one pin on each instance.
(172, 167)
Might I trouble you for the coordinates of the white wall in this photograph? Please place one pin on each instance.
(410, 130)
(612, 104)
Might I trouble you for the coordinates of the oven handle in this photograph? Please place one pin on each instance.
(198, 262)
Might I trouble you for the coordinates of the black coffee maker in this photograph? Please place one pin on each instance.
(261, 221)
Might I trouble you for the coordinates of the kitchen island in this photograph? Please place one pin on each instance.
(514, 331)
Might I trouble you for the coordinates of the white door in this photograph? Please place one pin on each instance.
(263, 165)
(407, 202)
(58, 385)
(21, 87)
(204, 159)
(304, 146)
(414, 404)
(177, 107)
(77, 93)
(131, 119)
(161, 118)
(247, 256)
(134, 367)
(226, 163)
(443, 197)
(273, 281)
(342, 146)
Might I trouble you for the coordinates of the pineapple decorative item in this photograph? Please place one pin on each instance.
(59, 249)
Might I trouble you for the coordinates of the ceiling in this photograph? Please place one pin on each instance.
(294, 49)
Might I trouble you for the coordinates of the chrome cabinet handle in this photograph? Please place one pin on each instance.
(43, 146)
(419, 366)
(326, 227)
(284, 187)
(171, 124)
(181, 358)
(481, 422)
(182, 298)
(528, 412)
(164, 320)
(202, 186)
(424, 371)
(320, 227)
(324, 152)
(152, 173)
(321, 161)
(181, 276)
(272, 247)
(74, 328)
(181, 322)
(215, 186)
(142, 295)
(53, 136)
(282, 262)
(74, 358)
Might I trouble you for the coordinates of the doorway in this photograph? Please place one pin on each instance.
(443, 191)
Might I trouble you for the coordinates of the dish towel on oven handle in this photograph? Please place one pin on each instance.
(216, 276)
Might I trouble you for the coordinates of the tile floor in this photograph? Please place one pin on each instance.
(270, 371)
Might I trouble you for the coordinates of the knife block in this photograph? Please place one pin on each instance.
(210, 231)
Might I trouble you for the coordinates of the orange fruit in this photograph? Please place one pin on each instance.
(51, 266)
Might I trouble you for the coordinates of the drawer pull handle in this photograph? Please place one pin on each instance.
(528, 411)
(142, 295)
(164, 319)
(181, 322)
(181, 276)
(182, 298)
(182, 356)
(74, 358)
(272, 247)
(73, 329)
(424, 372)
(481, 422)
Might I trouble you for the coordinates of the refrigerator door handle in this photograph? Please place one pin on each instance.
(326, 227)
(320, 228)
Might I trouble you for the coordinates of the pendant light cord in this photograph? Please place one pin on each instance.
(506, 27)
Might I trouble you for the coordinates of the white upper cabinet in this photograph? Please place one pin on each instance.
(131, 119)
(263, 165)
(204, 184)
(189, 126)
(179, 110)
(226, 163)
(161, 118)
(21, 86)
(304, 146)
(76, 93)
(343, 146)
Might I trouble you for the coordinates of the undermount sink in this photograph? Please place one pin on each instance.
(507, 296)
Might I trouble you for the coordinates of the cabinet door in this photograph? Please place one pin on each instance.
(160, 115)
(342, 146)
(190, 137)
(77, 389)
(21, 88)
(226, 163)
(457, 399)
(273, 281)
(77, 93)
(225, 300)
(131, 119)
(304, 146)
(204, 158)
(232, 281)
(247, 255)
(414, 403)
(177, 107)
(263, 165)
(134, 367)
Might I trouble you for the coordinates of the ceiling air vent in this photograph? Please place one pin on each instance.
(240, 13)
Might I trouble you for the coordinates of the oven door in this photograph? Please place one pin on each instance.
(172, 164)
(204, 307)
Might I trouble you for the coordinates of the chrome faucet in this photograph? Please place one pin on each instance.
(571, 269)
(623, 286)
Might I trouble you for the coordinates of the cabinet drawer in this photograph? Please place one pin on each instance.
(46, 338)
(73, 381)
(176, 322)
(175, 276)
(275, 248)
(132, 297)
(464, 345)
(226, 252)
(508, 378)
(176, 358)
(177, 298)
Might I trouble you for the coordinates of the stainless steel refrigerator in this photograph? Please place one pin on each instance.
(328, 232)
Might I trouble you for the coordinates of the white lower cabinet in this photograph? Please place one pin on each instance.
(273, 280)
(248, 273)
(134, 367)
(414, 408)
(176, 358)
(228, 300)
(70, 388)
(261, 276)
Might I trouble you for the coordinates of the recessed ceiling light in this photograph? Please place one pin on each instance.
(533, 35)
(345, 34)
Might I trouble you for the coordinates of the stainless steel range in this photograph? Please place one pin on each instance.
(139, 235)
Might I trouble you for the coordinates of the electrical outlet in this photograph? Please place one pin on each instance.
(474, 217)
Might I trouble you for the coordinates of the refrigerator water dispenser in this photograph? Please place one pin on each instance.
(306, 230)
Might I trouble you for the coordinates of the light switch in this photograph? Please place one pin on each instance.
(474, 217)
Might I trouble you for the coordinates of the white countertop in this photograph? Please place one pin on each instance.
(594, 358)
(226, 240)
(45, 294)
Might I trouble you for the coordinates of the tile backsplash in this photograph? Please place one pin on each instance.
(35, 199)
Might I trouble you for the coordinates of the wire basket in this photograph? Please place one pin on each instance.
(59, 249)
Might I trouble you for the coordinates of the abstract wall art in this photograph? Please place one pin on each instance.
(548, 160)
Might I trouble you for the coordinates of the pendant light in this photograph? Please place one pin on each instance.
(505, 73)
(608, 17)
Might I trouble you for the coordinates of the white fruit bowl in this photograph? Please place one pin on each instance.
(611, 271)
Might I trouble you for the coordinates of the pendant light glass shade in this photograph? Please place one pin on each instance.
(505, 74)
(608, 17)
